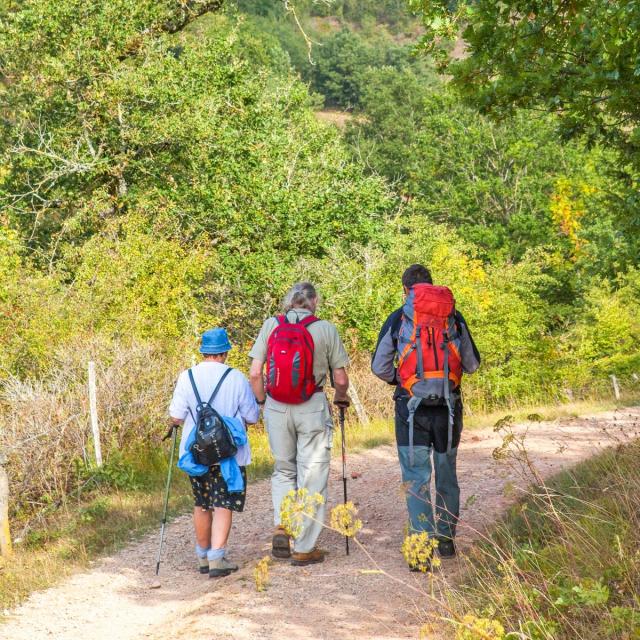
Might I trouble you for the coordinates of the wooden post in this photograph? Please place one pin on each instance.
(363, 418)
(93, 406)
(5, 534)
(465, 405)
(616, 388)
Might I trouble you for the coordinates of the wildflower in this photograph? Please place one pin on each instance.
(261, 573)
(343, 519)
(418, 550)
(474, 628)
(295, 506)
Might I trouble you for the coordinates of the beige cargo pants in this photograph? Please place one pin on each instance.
(300, 437)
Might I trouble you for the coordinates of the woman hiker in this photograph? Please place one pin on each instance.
(219, 490)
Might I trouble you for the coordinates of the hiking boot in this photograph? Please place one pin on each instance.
(280, 545)
(203, 565)
(446, 547)
(303, 559)
(220, 568)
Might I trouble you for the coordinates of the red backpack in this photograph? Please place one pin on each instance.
(290, 361)
(428, 344)
(429, 362)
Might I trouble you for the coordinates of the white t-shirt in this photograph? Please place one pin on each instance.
(235, 399)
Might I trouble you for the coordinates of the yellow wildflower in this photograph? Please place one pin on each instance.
(295, 507)
(418, 551)
(343, 518)
(261, 573)
(474, 628)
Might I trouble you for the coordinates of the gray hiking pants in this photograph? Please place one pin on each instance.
(300, 437)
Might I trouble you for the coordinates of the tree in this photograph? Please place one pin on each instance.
(111, 116)
(579, 59)
(505, 186)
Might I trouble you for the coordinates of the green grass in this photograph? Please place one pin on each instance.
(565, 562)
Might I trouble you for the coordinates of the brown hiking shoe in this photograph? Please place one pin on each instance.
(280, 546)
(303, 559)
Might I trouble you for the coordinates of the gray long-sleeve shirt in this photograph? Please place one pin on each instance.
(383, 362)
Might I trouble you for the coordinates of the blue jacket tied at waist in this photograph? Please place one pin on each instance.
(229, 468)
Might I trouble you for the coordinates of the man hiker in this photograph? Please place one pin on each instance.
(219, 489)
(423, 349)
(300, 353)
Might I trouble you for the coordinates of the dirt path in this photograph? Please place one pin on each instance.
(338, 599)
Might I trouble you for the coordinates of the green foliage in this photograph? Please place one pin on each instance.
(505, 186)
(606, 337)
(186, 135)
(579, 60)
(347, 39)
(344, 60)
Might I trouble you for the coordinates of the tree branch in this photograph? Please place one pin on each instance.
(188, 12)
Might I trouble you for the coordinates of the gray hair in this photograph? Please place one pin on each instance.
(300, 296)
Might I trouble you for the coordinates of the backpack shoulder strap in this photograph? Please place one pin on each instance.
(282, 319)
(195, 389)
(215, 391)
(305, 322)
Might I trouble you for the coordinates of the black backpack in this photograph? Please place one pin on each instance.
(214, 441)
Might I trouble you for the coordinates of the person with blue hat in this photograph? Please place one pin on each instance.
(218, 490)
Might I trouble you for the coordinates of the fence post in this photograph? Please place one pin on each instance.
(616, 388)
(93, 406)
(5, 534)
(363, 418)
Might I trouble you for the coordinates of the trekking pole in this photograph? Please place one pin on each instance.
(173, 432)
(344, 466)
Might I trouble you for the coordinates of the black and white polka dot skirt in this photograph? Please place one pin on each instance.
(210, 491)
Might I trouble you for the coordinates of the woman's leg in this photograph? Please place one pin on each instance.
(202, 519)
(221, 528)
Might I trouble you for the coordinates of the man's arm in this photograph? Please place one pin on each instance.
(338, 360)
(383, 360)
(469, 353)
(341, 384)
(257, 381)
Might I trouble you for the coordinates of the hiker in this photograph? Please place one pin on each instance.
(410, 354)
(301, 352)
(218, 489)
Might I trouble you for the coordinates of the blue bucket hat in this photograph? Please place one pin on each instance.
(215, 341)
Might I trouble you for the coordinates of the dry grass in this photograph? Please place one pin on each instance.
(74, 535)
(559, 411)
(563, 563)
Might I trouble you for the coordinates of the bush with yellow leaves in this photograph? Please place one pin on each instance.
(295, 507)
(343, 519)
(418, 551)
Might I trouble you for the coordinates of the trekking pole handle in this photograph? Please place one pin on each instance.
(169, 432)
